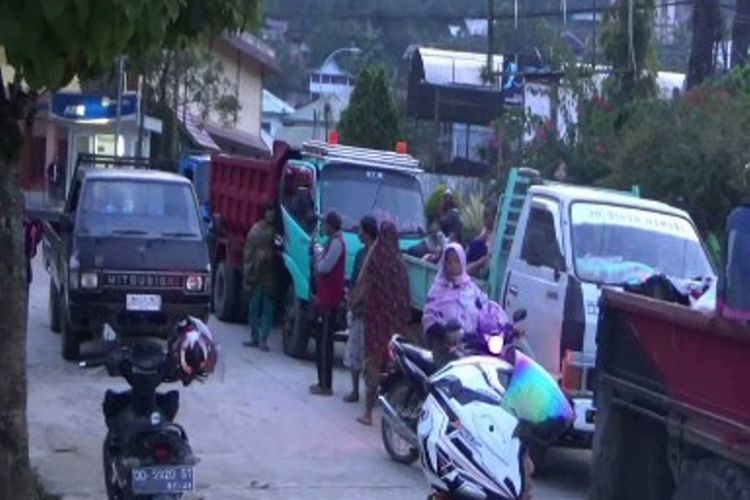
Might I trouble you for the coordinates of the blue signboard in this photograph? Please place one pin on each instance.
(96, 108)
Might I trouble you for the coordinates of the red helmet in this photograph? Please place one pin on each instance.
(192, 350)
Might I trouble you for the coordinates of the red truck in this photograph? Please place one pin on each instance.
(239, 188)
(673, 403)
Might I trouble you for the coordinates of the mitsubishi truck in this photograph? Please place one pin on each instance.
(127, 250)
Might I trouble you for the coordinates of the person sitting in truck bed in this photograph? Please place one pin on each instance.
(478, 253)
(450, 218)
(432, 247)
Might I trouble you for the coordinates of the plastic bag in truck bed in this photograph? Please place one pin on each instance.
(659, 286)
(698, 295)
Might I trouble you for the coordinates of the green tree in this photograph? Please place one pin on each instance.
(691, 153)
(47, 43)
(371, 120)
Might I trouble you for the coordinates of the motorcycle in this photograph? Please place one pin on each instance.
(473, 421)
(145, 455)
(402, 391)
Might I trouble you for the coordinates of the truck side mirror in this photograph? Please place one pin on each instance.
(520, 315)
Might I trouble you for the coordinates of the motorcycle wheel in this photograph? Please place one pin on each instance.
(113, 491)
(404, 402)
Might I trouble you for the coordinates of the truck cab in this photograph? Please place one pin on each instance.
(571, 243)
(355, 182)
(129, 251)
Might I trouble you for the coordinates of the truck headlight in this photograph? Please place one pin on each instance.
(89, 280)
(194, 283)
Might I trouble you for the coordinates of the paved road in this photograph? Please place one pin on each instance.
(258, 433)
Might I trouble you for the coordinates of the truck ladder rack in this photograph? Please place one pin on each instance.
(362, 156)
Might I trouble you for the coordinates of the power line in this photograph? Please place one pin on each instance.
(377, 13)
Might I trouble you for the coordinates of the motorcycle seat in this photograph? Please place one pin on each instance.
(420, 357)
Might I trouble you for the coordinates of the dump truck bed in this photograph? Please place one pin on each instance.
(689, 369)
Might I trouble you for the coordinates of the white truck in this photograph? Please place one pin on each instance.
(555, 248)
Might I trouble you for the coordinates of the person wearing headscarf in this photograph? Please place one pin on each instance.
(478, 253)
(387, 310)
(354, 351)
(455, 297)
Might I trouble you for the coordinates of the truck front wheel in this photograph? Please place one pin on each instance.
(54, 307)
(295, 336)
(713, 479)
(225, 292)
(71, 341)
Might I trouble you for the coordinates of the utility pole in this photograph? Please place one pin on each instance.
(595, 19)
(490, 41)
(120, 70)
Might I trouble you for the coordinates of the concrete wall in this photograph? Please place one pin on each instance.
(247, 79)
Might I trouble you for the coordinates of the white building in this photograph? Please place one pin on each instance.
(275, 109)
(245, 61)
(312, 121)
(330, 79)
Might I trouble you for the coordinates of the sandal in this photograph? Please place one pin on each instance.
(365, 421)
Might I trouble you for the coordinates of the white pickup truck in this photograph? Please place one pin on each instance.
(555, 247)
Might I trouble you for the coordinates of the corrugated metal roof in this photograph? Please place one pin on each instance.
(451, 67)
(197, 131)
(314, 111)
(273, 104)
(237, 136)
(253, 48)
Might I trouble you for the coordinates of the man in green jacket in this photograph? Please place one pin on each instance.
(261, 277)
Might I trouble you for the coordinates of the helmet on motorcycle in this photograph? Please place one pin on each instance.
(192, 350)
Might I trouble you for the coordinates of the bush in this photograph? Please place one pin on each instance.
(472, 215)
(690, 153)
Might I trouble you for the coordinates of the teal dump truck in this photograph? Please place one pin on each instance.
(306, 183)
(554, 249)
(355, 182)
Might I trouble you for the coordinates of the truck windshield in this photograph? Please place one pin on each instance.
(117, 206)
(614, 245)
(355, 191)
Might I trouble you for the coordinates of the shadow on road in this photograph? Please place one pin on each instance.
(566, 469)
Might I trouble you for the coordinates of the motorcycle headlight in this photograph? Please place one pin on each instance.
(194, 283)
(89, 280)
(495, 344)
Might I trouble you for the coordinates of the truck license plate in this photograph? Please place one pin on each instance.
(163, 479)
(143, 302)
